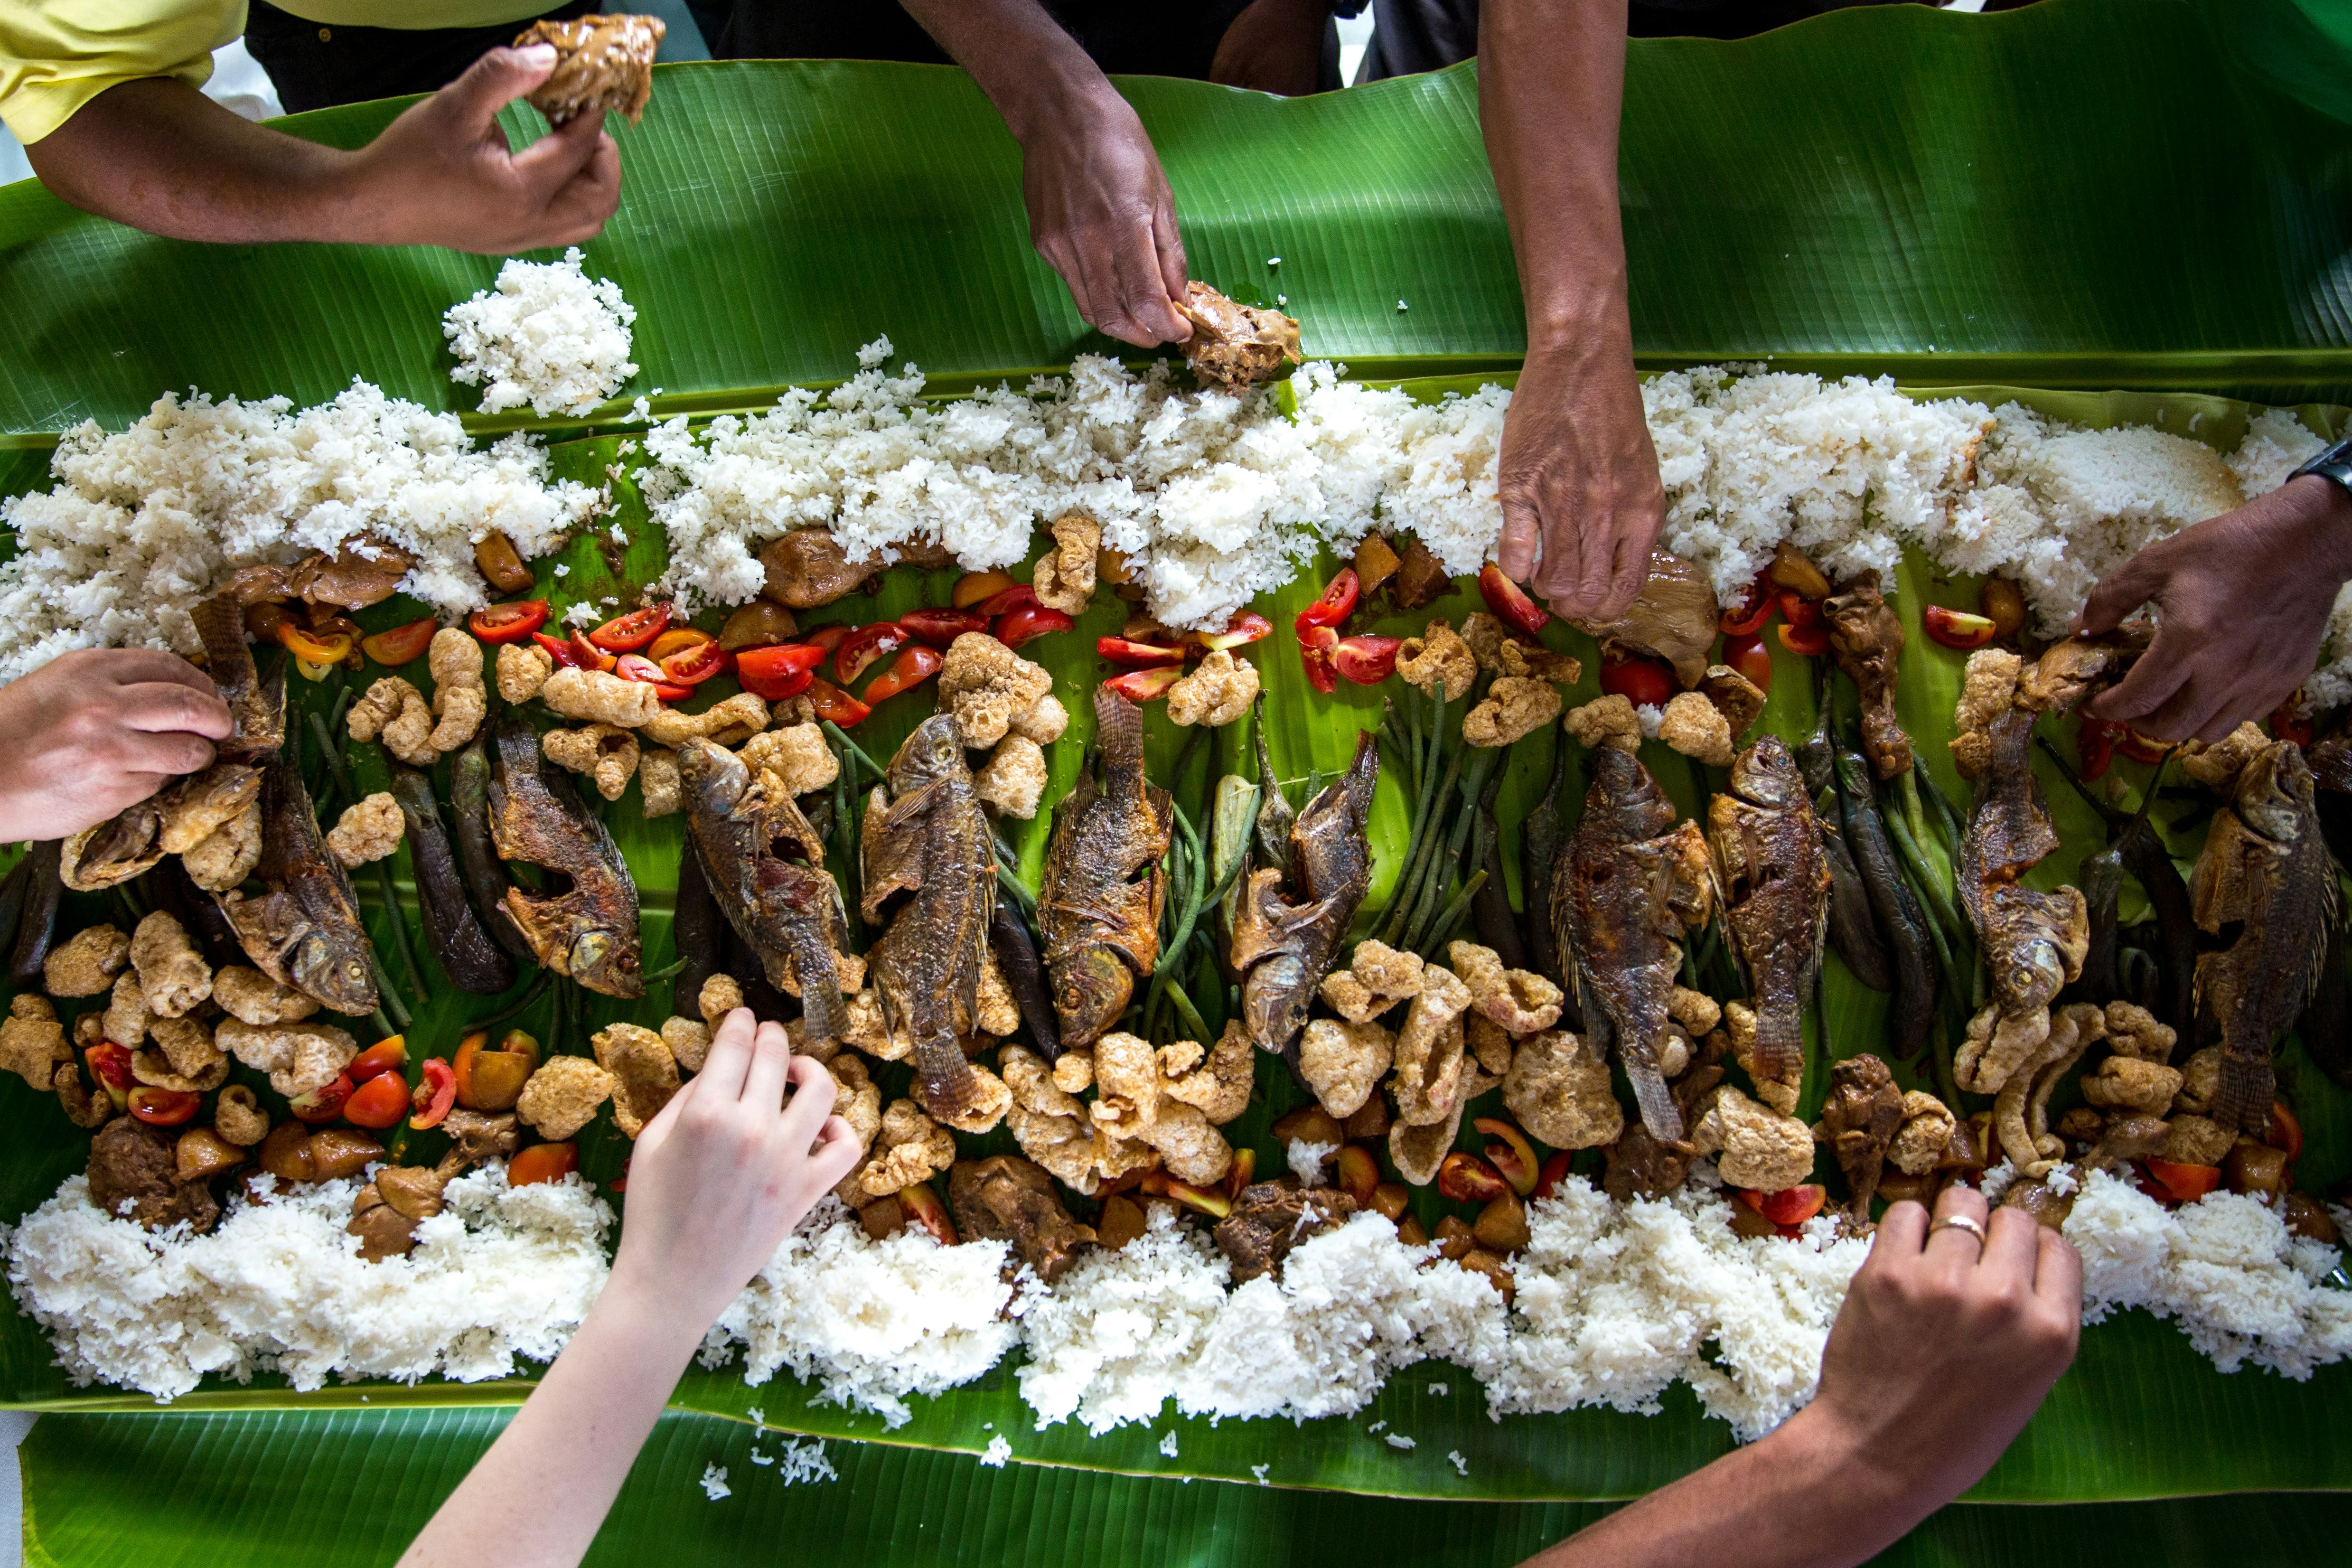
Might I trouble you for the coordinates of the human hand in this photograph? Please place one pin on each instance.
(1581, 500)
(443, 174)
(2243, 602)
(1101, 213)
(1274, 46)
(722, 1174)
(97, 729)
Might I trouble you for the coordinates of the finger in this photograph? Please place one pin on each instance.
(657, 1132)
(814, 1093)
(1172, 272)
(1143, 297)
(1901, 1233)
(549, 163)
(1950, 1244)
(492, 82)
(2151, 682)
(166, 756)
(771, 1062)
(2058, 1274)
(1515, 552)
(167, 707)
(1630, 570)
(730, 1055)
(2121, 592)
(2009, 1243)
(2182, 714)
(136, 667)
(580, 209)
(836, 1153)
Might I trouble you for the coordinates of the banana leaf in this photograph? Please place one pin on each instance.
(247, 1489)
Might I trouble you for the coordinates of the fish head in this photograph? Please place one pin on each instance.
(712, 777)
(1091, 988)
(2274, 793)
(601, 964)
(1766, 775)
(934, 752)
(1274, 999)
(323, 968)
(1625, 802)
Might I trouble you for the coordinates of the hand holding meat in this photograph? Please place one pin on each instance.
(2242, 601)
(100, 729)
(1101, 213)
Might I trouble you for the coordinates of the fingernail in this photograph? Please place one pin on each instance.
(537, 54)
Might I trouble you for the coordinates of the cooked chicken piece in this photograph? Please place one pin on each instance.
(1218, 691)
(1694, 726)
(1063, 578)
(1011, 1200)
(1234, 346)
(480, 1136)
(85, 963)
(2069, 670)
(367, 830)
(1739, 699)
(604, 65)
(1673, 617)
(1269, 1218)
(134, 1164)
(1437, 658)
(1558, 1087)
(1860, 1119)
(807, 567)
(986, 686)
(1866, 640)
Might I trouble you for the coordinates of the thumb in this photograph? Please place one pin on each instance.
(492, 82)
(2121, 592)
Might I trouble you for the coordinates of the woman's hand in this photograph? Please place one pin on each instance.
(97, 729)
(2242, 600)
(721, 1174)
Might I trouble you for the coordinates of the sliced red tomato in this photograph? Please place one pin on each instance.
(2287, 724)
(828, 638)
(389, 1055)
(2179, 1183)
(974, 588)
(542, 1162)
(575, 652)
(1751, 658)
(1798, 610)
(637, 667)
(401, 643)
(163, 1106)
(1645, 682)
(1809, 642)
(860, 649)
(1315, 646)
(381, 1101)
(776, 673)
(1510, 602)
(940, 627)
(312, 649)
(695, 663)
(1129, 653)
(674, 639)
(1337, 599)
(509, 622)
(111, 1063)
(1747, 617)
(1789, 1206)
(1367, 660)
(434, 1097)
(323, 1103)
(834, 705)
(1956, 628)
(627, 633)
(1246, 628)
(1029, 623)
(913, 667)
(1147, 685)
(1019, 596)
(2094, 746)
(1554, 1172)
(1514, 1156)
(2140, 747)
(2285, 1133)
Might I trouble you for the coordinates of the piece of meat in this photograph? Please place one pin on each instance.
(1673, 618)
(1866, 640)
(1009, 1199)
(1269, 1218)
(1859, 1121)
(132, 1162)
(806, 568)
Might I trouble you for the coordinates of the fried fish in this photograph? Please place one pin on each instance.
(305, 930)
(587, 930)
(1773, 879)
(1099, 910)
(1289, 929)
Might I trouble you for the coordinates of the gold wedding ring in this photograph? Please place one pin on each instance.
(1959, 1222)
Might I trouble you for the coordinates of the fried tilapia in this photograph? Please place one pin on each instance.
(1773, 878)
(1866, 640)
(2034, 942)
(1284, 942)
(1099, 910)
(304, 931)
(587, 930)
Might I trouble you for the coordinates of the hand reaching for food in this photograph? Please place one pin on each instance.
(96, 730)
(1581, 500)
(2242, 601)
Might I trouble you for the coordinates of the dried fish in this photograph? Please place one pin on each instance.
(1774, 883)
(1098, 911)
(464, 949)
(1866, 639)
(305, 930)
(1289, 928)
(588, 930)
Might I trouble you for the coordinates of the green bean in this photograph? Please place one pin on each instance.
(840, 737)
(1455, 913)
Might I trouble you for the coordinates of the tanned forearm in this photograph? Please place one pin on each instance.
(1019, 55)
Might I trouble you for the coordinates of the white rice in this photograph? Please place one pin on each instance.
(545, 334)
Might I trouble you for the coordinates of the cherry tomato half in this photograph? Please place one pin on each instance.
(1807, 642)
(1956, 628)
(828, 638)
(1337, 600)
(381, 1101)
(1246, 628)
(1129, 654)
(2094, 746)
(677, 640)
(1315, 644)
(2288, 724)
(1367, 660)
(940, 627)
(509, 622)
(388, 1055)
(401, 643)
(1510, 602)
(1790, 1206)
(861, 650)
(163, 1106)
(1019, 596)
(1028, 623)
(913, 667)
(542, 1162)
(695, 663)
(1645, 682)
(975, 588)
(323, 1103)
(1146, 685)
(1798, 610)
(776, 673)
(1751, 658)
(834, 705)
(312, 649)
(1747, 617)
(627, 633)
(434, 1095)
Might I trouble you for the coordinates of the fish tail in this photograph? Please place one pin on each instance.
(1780, 1043)
(2247, 1087)
(945, 1085)
(1660, 1114)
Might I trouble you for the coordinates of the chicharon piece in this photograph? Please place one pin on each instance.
(604, 65)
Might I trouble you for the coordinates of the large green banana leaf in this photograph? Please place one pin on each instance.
(249, 1489)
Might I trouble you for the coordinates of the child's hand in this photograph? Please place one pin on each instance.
(722, 1174)
(96, 730)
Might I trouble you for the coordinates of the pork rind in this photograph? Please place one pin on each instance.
(1739, 699)
(1429, 1049)
(84, 1107)
(645, 1074)
(726, 724)
(1925, 1135)
(459, 699)
(1485, 635)
(1739, 1031)
(1438, 658)
(1605, 722)
(658, 782)
(227, 855)
(2200, 1082)
(1533, 661)
(2128, 1084)
(605, 753)
(1520, 1000)
(239, 1117)
(562, 1096)
(32, 1041)
(1044, 722)
(1490, 1047)
(1515, 706)
(394, 713)
(1343, 1063)
(2133, 1031)
(1063, 578)
(252, 996)
(1192, 1150)
(688, 1040)
(600, 696)
(1558, 1088)
(2197, 1140)
(909, 1147)
(994, 1011)
(986, 686)
(1048, 1122)
(1698, 729)
(1219, 691)
(298, 1056)
(866, 1030)
(1695, 1010)
(1417, 1151)
(173, 978)
(126, 1012)
(1126, 1085)
(1996, 1046)
(856, 1100)
(990, 1100)
(367, 830)
(1014, 778)
(2020, 1112)
(184, 1058)
(2216, 766)
(1988, 687)
(1756, 1147)
(720, 994)
(85, 963)
(1377, 978)
(523, 669)
(1219, 1086)
(797, 754)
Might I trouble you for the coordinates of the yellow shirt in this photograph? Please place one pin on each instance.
(58, 54)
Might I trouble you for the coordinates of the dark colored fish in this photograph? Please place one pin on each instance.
(1894, 909)
(588, 930)
(2267, 884)
(1774, 883)
(1539, 848)
(764, 864)
(1024, 976)
(1098, 911)
(463, 949)
(1854, 929)
(926, 851)
(305, 930)
(484, 874)
(1866, 640)
(36, 924)
(2034, 941)
(1284, 942)
(1629, 881)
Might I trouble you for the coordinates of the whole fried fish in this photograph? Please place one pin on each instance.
(1628, 883)
(1284, 942)
(1772, 877)
(589, 928)
(926, 849)
(1866, 639)
(765, 865)
(305, 932)
(2034, 942)
(1099, 910)
(2267, 873)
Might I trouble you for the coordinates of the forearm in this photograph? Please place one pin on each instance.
(1029, 68)
(1551, 78)
(541, 1492)
(160, 156)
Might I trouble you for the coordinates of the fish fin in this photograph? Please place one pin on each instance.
(948, 1091)
(2247, 1089)
(1779, 1044)
(1660, 1114)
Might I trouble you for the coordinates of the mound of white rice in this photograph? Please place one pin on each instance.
(545, 334)
(503, 1272)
